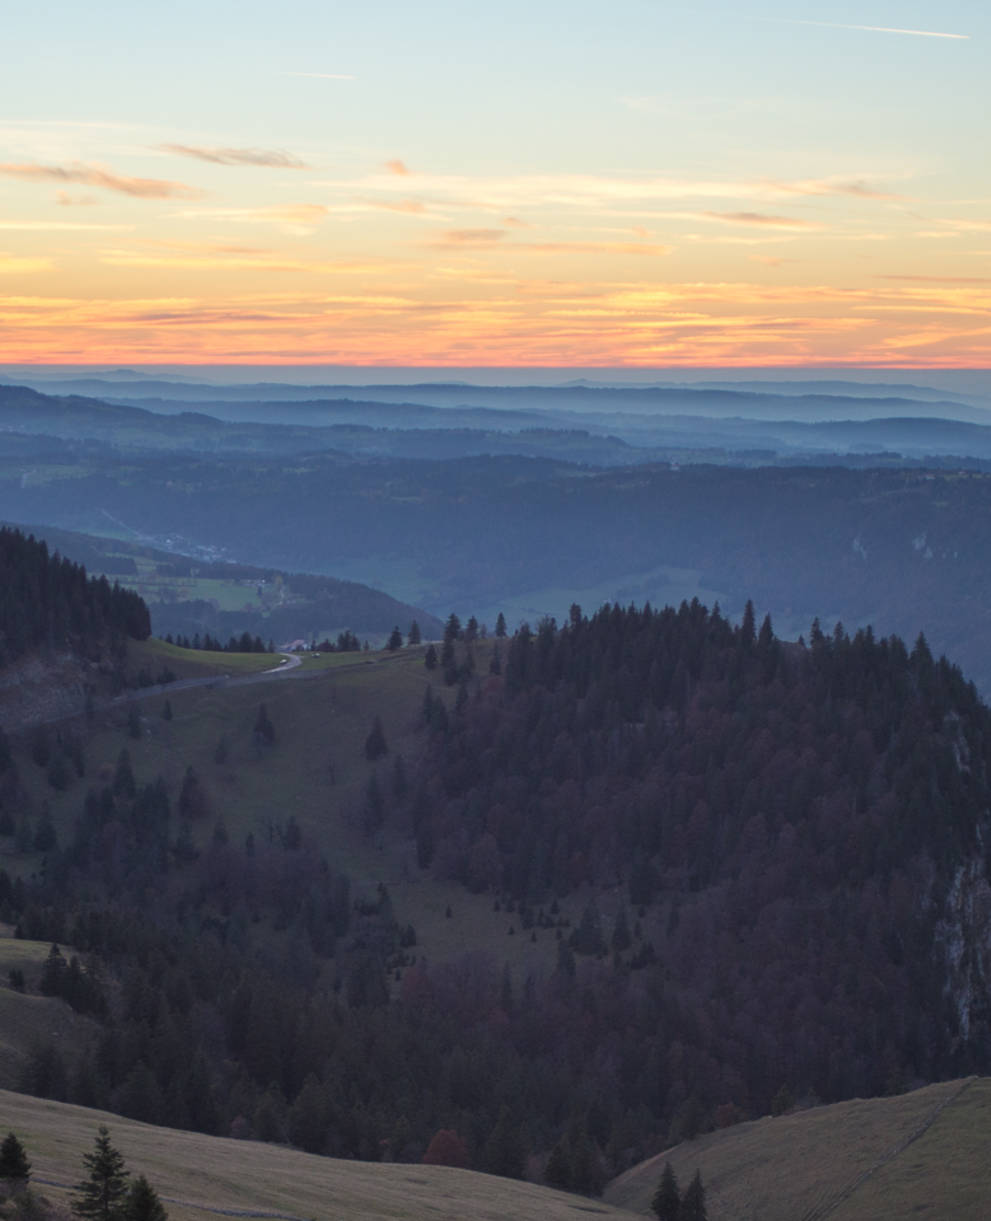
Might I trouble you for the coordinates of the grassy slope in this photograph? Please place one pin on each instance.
(208, 1173)
(27, 1017)
(884, 1159)
(316, 771)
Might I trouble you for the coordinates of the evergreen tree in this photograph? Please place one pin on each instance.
(375, 744)
(414, 635)
(430, 658)
(142, 1203)
(667, 1200)
(264, 731)
(557, 1172)
(52, 973)
(693, 1201)
(500, 627)
(101, 1195)
(395, 640)
(14, 1165)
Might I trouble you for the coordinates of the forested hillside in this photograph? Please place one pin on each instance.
(768, 841)
(47, 602)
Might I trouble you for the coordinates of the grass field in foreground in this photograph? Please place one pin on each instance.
(196, 1175)
(921, 1154)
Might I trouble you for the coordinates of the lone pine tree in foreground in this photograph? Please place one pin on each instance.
(100, 1196)
(14, 1165)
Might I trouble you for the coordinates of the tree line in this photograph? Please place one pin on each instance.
(47, 602)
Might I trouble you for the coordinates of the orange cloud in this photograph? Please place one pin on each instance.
(411, 206)
(832, 186)
(237, 156)
(653, 250)
(93, 176)
(761, 218)
(397, 167)
(471, 237)
(11, 264)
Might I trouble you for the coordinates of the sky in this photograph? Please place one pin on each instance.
(634, 184)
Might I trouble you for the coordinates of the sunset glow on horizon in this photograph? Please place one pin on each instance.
(645, 187)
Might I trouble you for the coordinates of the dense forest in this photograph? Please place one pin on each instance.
(766, 840)
(48, 603)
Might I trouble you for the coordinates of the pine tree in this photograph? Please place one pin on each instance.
(375, 743)
(500, 627)
(395, 640)
(693, 1201)
(264, 732)
(414, 634)
(101, 1195)
(142, 1203)
(667, 1201)
(14, 1165)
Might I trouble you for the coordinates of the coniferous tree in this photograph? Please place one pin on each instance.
(142, 1203)
(264, 731)
(375, 744)
(14, 1165)
(500, 627)
(693, 1201)
(667, 1199)
(100, 1196)
(395, 640)
(557, 1172)
(414, 636)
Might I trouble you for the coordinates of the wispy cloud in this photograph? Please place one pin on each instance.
(59, 226)
(95, 176)
(12, 264)
(325, 76)
(874, 29)
(413, 207)
(216, 258)
(512, 194)
(858, 188)
(470, 237)
(65, 200)
(762, 219)
(272, 158)
(650, 250)
(299, 219)
(939, 279)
